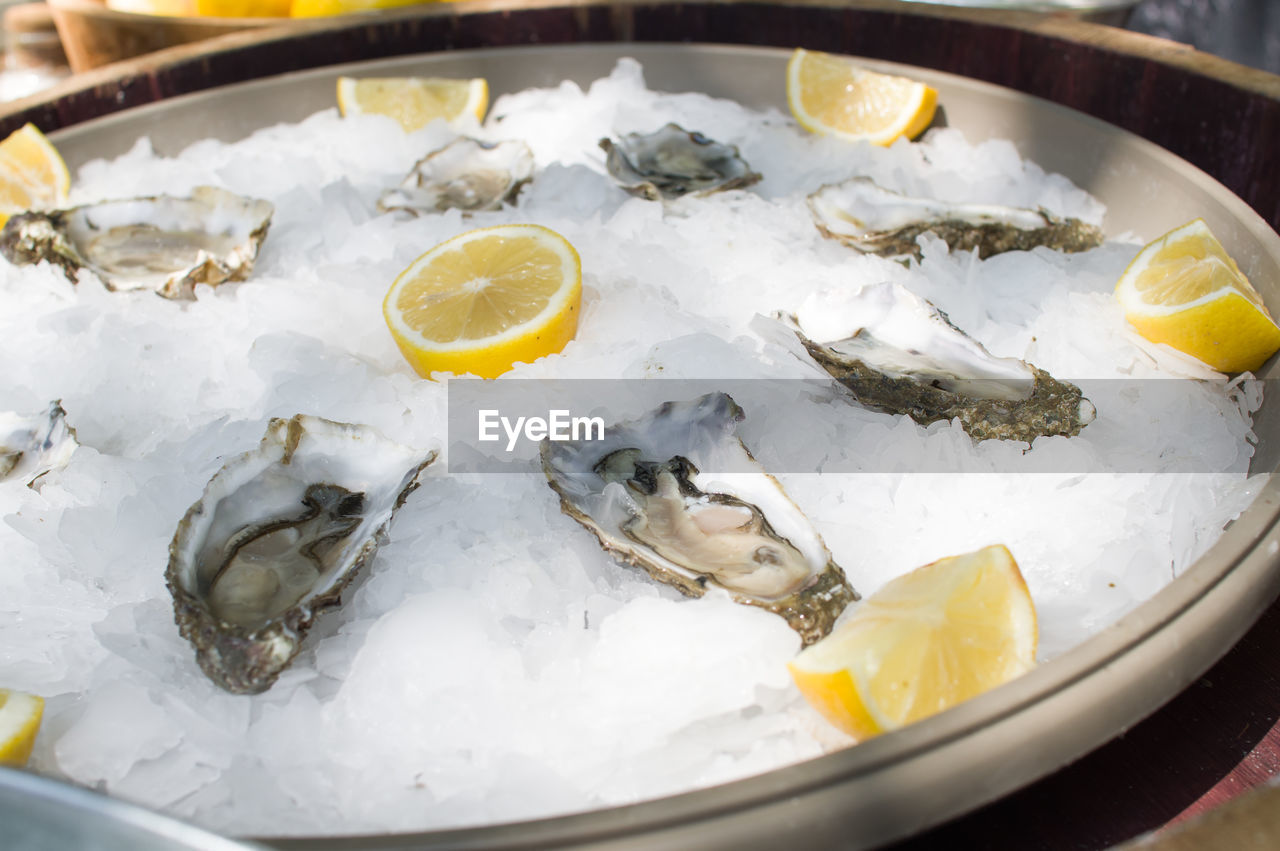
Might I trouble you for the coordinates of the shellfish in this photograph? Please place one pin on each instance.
(876, 220)
(161, 243)
(896, 352)
(277, 535)
(32, 445)
(676, 494)
(465, 174)
(672, 162)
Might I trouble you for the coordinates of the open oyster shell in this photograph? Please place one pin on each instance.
(465, 174)
(676, 494)
(277, 535)
(876, 220)
(672, 162)
(32, 445)
(898, 353)
(161, 243)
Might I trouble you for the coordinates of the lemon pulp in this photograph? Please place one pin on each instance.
(486, 300)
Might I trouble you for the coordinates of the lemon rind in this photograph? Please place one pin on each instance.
(20, 716)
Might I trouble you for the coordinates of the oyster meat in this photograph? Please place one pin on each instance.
(32, 445)
(465, 174)
(672, 162)
(162, 243)
(876, 220)
(277, 535)
(898, 353)
(676, 494)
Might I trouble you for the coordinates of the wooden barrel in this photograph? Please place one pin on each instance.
(1213, 113)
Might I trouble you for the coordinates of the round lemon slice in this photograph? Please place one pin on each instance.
(833, 96)
(20, 715)
(414, 101)
(485, 300)
(926, 641)
(1185, 291)
(32, 173)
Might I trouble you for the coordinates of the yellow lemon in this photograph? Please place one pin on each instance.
(833, 96)
(20, 715)
(243, 8)
(32, 173)
(318, 8)
(485, 300)
(1185, 291)
(928, 640)
(414, 101)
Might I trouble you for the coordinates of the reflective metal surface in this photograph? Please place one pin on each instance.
(38, 814)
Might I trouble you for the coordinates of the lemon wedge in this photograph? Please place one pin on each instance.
(20, 715)
(319, 8)
(833, 96)
(485, 300)
(926, 641)
(32, 173)
(1184, 290)
(414, 101)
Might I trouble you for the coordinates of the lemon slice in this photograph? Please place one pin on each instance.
(20, 715)
(833, 96)
(928, 640)
(318, 8)
(485, 300)
(414, 101)
(1185, 291)
(32, 173)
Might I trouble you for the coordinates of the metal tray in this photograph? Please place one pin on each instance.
(900, 783)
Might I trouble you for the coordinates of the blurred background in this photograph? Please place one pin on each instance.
(44, 42)
(1244, 31)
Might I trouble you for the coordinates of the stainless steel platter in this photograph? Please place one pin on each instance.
(900, 783)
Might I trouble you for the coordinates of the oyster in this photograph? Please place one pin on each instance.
(898, 353)
(161, 243)
(32, 445)
(678, 495)
(875, 220)
(465, 174)
(673, 162)
(277, 535)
